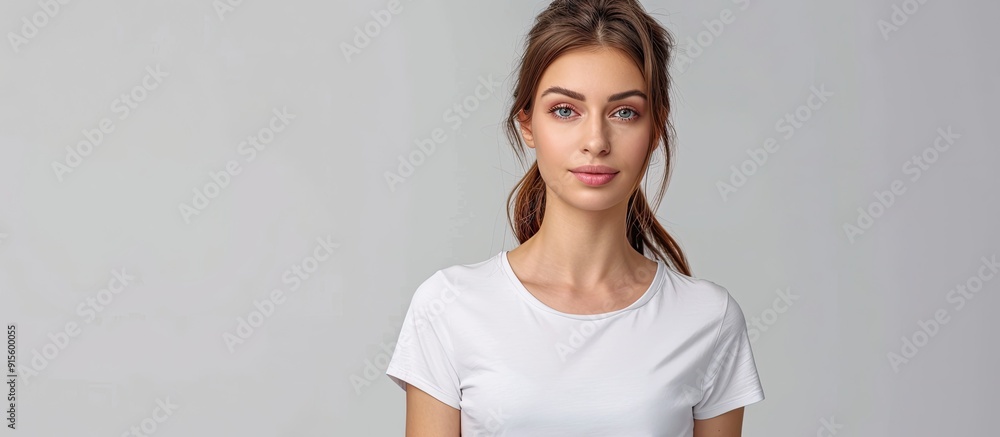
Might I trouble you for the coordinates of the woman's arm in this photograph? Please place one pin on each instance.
(429, 417)
(728, 424)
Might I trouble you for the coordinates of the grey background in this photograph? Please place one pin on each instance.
(824, 357)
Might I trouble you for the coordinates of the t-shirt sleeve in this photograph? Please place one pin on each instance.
(424, 353)
(732, 381)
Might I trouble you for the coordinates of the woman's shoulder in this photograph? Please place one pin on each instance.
(456, 278)
(697, 286)
(703, 294)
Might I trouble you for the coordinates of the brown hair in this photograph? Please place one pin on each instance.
(624, 25)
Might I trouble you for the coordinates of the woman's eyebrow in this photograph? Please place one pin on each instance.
(582, 98)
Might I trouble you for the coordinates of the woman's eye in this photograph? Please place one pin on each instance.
(625, 113)
(564, 112)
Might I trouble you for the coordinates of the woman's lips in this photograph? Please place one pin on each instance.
(594, 179)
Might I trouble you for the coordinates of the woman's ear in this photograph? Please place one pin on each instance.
(525, 123)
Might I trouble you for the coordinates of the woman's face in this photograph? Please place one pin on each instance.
(590, 109)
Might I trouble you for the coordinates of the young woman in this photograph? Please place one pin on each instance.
(576, 332)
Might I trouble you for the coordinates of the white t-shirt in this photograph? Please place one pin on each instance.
(477, 340)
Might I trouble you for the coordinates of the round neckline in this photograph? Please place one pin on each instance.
(522, 291)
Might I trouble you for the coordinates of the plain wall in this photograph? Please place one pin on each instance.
(315, 365)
